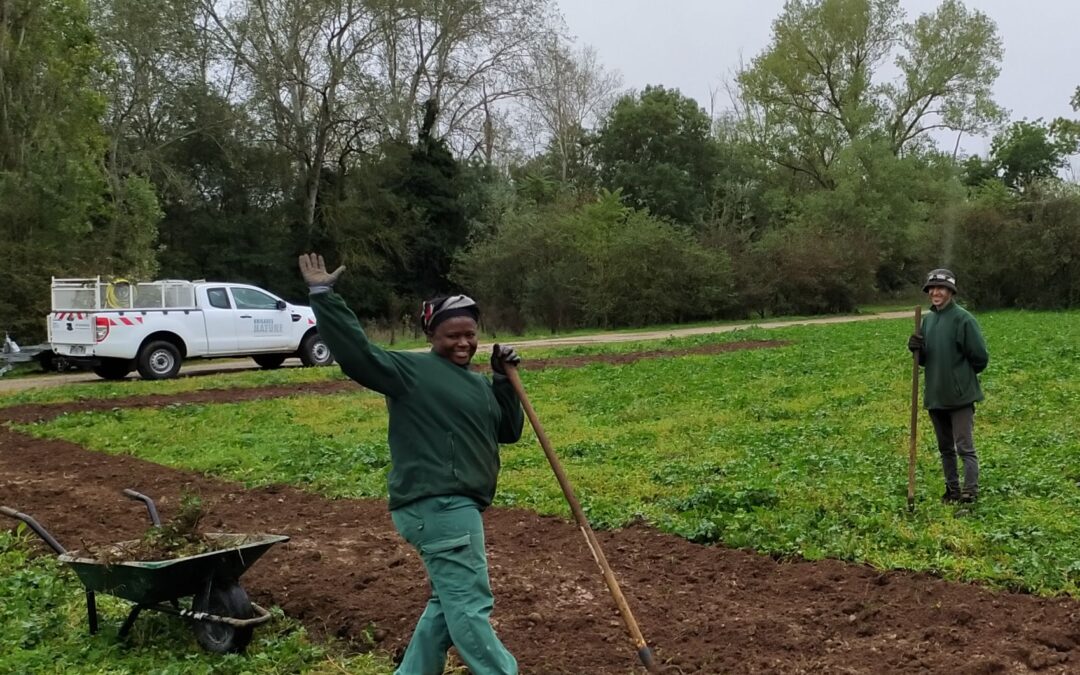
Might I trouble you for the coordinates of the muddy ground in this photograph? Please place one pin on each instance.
(705, 609)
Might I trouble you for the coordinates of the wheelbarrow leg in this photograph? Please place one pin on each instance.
(91, 611)
(130, 620)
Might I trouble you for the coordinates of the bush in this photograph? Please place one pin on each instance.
(805, 271)
(599, 264)
(1025, 255)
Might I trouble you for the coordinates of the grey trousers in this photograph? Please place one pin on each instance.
(955, 430)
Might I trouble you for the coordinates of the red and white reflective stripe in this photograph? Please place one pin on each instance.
(311, 322)
(70, 316)
(124, 321)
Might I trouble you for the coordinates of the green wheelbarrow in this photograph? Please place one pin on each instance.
(221, 615)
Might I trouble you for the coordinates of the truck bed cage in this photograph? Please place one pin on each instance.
(96, 294)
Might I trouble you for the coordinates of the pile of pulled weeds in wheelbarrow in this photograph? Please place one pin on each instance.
(176, 538)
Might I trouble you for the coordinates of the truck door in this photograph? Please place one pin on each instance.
(221, 321)
(263, 321)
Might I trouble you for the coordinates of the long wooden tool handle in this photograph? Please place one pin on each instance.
(644, 653)
(914, 416)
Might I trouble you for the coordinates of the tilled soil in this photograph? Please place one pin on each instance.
(704, 609)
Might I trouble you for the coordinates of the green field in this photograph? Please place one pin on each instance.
(794, 451)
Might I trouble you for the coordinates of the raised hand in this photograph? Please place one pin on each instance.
(313, 269)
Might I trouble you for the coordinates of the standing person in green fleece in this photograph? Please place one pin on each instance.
(446, 424)
(952, 349)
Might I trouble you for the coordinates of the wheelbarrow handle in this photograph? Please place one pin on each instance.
(149, 505)
(38, 529)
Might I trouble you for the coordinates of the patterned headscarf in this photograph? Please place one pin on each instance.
(435, 311)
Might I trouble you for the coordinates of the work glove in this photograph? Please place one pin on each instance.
(501, 355)
(916, 343)
(313, 269)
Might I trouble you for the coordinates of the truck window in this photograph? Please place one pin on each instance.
(249, 298)
(218, 298)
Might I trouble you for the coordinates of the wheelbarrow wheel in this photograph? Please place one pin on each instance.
(221, 638)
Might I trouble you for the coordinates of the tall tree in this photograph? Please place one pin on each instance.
(817, 88)
(657, 149)
(58, 215)
(465, 55)
(567, 92)
(1029, 151)
(300, 61)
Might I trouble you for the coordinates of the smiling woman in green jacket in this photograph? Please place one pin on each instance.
(952, 349)
(446, 423)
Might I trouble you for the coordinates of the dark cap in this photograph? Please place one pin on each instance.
(940, 277)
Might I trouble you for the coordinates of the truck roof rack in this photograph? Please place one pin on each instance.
(95, 294)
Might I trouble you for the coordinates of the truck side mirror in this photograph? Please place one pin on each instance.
(281, 304)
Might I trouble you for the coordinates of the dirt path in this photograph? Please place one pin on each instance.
(218, 366)
(705, 609)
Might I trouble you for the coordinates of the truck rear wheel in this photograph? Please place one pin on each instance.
(113, 369)
(269, 361)
(158, 360)
(314, 352)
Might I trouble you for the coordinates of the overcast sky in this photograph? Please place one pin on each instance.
(693, 45)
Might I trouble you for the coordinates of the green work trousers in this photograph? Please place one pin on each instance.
(448, 532)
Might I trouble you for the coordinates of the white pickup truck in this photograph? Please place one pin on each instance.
(116, 327)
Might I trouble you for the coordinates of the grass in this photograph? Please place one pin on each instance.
(796, 451)
(133, 387)
(43, 629)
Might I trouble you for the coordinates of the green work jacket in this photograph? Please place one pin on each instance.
(446, 422)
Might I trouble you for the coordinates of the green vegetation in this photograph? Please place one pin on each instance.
(293, 376)
(43, 629)
(794, 451)
(85, 391)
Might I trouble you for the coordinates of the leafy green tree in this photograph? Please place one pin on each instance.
(227, 201)
(656, 148)
(976, 171)
(566, 92)
(1026, 151)
(401, 217)
(59, 213)
(817, 88)
(851, 149)
(565, 169)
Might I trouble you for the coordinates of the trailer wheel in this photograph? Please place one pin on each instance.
(221, 638)
(158, 360)
(314, 352)
(269, 361)
(113, 369)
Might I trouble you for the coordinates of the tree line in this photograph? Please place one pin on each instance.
(453, 145)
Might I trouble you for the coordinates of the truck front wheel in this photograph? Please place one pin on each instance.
(314, 352)
(113, 369)
(158, 360)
